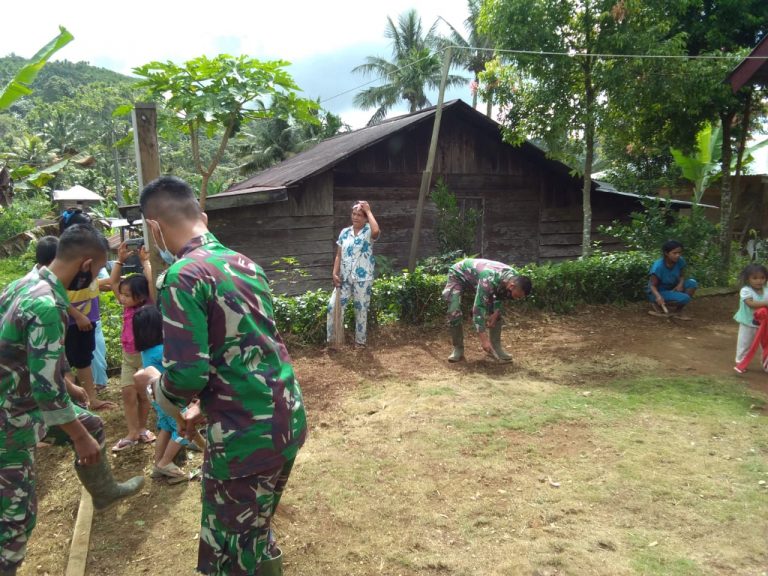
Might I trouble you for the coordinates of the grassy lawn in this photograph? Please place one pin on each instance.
(602, 450)
(483, 475)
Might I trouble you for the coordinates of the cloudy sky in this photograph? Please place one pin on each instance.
(322, 40)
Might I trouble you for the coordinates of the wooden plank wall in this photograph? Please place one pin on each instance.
(473, 163)
(532, 211)
(301, 228)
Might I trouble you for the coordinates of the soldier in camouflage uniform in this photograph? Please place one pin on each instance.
(491, 282)
(33, 396)
(223, 353)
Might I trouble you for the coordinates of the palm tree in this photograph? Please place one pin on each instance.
(415, 67)
(475, 50)
(267, 142)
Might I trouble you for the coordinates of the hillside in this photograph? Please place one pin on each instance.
(60, 79)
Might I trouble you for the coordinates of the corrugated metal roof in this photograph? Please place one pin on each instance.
(609, 189)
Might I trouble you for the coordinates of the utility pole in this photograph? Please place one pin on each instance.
(115, 165)
(426, 178)
(144, 118)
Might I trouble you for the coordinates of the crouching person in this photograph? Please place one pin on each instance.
(33, 395)
(492, 282)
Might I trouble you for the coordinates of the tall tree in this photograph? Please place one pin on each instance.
(556, 99)
(266, 142)
(216, 96)
(722, 27)
(664, 103)
(472, 52)
(415, 67)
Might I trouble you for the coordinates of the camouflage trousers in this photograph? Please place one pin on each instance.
(235, 524)
(18, 501)
(451, 295)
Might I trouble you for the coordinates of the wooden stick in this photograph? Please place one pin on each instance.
(81, 537)
(338, 319)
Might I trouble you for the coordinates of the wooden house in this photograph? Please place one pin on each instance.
(531, 205)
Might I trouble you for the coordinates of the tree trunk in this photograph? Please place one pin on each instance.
(745, 119)
(204, 190)
(589, 142)
(474, 94)
(726, 220)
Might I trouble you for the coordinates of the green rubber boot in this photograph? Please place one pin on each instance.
(457, 338)
(98, 480)
(495, 336)
(273, 566)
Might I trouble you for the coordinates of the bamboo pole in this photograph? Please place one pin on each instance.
(81, 536)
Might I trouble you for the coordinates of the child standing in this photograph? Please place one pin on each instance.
(148, 332)
(132, 292)
(752, 297)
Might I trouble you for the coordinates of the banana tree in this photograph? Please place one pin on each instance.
(702, 167)
(20, 84)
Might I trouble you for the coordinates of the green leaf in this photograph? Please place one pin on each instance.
(124, 110)
(19, 85)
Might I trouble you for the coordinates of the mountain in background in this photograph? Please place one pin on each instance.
(60, 79)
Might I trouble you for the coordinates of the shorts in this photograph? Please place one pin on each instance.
(131, 364)
(79, 346)
(168, 424)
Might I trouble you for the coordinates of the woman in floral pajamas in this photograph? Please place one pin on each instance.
(353, 269)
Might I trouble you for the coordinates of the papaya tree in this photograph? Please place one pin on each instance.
(214, 97)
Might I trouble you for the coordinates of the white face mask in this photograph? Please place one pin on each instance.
(166, 255)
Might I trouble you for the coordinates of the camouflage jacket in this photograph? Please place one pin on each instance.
(222, 346)
(487, 278)
(33, 316)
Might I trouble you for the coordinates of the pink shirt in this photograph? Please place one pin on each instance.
(126, 337)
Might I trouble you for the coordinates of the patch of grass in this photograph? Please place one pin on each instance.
(437, 391)
(11, 269)
(699, 397)
(658, 561)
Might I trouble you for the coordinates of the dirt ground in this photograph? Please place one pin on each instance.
(156, 532)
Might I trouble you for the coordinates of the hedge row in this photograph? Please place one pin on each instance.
(414, 298)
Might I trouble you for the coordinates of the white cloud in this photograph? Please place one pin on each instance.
(122, 36)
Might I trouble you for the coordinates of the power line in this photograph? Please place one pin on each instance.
(550, 53)
(612, 56)
(427, 57)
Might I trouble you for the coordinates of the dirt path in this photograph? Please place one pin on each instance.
(156, 532)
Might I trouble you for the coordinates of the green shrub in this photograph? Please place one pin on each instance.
(599, 279)
(455, 229)
(12, 269)
(413, 298)
(302, 316)
(658, 222)
(441, 263)
(21, 215)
